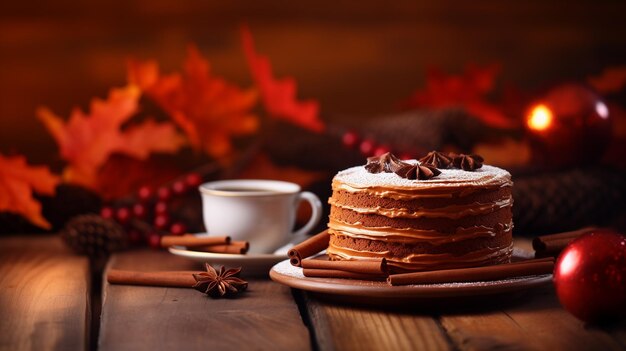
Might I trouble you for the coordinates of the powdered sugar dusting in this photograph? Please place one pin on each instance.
(359, 177)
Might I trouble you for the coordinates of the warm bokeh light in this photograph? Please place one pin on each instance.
(540, 118)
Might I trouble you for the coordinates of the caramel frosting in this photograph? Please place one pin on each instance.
(412, 235)
(452, 211)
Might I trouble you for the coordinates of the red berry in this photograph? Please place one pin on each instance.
(160, 208)
(367, 147)
(154, 240)
(350, 138)
(161, 221)
(178, 228)
(139, 210)
(164, 193)
(106, 212)
(193, 179)
(122, 215)
(179, 187)
(381, 150)
(145, 193)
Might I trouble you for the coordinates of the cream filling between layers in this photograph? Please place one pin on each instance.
(427, 261)
(408, 193)
(452, 211)
(412, 235)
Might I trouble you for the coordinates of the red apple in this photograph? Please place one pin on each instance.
(590, 276)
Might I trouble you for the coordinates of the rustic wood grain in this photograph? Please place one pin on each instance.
(44, 295)
(151, 318)
(535, 324)
(341, 327)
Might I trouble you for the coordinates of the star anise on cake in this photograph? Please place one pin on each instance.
(216, 284)
(468, 162)
(386, 162)
(437, 159)
(418, 171)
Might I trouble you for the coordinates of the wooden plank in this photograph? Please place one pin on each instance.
(341, 327)
(536, 324)
(44, 295)
(153, 318)
(618, 331)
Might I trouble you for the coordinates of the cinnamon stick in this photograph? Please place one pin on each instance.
(193, 241)
(378, 267)
(235, 247)
(333, 273)
(486, 273)
(553, 244)
(178, 279)
(308, 248)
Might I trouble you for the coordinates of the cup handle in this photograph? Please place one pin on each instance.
(316, 215)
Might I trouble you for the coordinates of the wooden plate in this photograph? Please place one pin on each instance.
(374, 292)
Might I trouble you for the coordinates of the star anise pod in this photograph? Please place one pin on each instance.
(386, 162)
(418, 171)
(437, 159)
(468, 162)
(219, 284)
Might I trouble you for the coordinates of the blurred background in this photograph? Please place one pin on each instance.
(304, 89)
(354, 58)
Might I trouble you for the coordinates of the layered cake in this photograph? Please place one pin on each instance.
(444, 211)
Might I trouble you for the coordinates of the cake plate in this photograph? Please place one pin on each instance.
(380, 293)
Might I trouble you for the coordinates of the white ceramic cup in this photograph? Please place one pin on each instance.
(262, 212)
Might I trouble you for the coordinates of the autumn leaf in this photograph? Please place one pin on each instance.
(18, 180)
(86, 141)
(207, 108)
(142, 139)
(279, 96)
(467, 91)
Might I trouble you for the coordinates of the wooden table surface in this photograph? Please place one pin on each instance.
(49, 301)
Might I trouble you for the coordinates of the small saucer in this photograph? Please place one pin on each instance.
(253, 265)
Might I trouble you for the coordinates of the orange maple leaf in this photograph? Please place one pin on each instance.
(279, 96)
(207, 108)
(467, 91)
(86, 141)
(17, 182)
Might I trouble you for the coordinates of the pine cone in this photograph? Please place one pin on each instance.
(94, 236)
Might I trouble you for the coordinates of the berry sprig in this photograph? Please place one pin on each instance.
(369, 147)
(147, 216)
